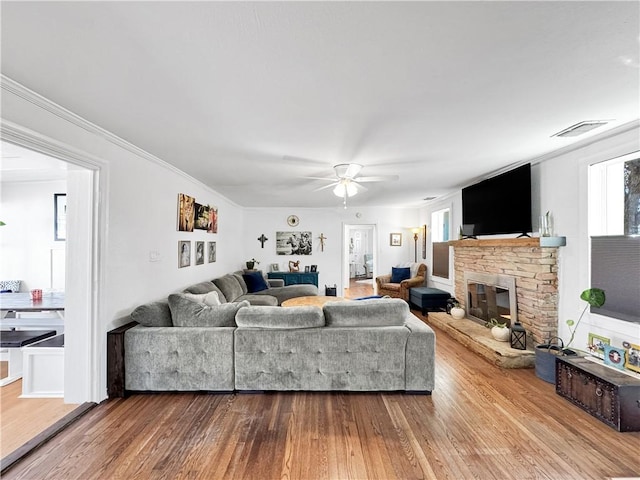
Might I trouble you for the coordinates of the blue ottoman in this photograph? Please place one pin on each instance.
(428, 298)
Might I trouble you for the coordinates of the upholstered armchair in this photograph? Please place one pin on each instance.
(401, 289)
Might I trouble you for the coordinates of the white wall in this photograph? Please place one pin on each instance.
(27, 240)
(328, 221)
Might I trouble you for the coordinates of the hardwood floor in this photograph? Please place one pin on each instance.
(481, 422)
(21, 419)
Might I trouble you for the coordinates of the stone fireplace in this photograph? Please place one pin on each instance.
(491, 296)
(532, 268)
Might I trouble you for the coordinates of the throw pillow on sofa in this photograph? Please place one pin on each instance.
(255, 282)
(211, 298)
(154, 314)
(398, 274)
(186, 312)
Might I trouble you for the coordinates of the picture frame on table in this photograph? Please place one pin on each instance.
(395, 239)
(307, 269)
(633, 356)
(275, 267)
(615, 356)
(314, 268)
(596, 344)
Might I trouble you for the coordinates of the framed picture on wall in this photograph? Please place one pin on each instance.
(212, 252)
(59, 216)
(395, 239)
(184, 253)
(199, 253)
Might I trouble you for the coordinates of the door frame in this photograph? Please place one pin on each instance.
(347, 228)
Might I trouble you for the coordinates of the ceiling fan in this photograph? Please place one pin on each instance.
(347, 182)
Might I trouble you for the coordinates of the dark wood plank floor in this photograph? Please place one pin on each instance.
(480, 423)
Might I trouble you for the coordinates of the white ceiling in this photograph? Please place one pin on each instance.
(250, 98)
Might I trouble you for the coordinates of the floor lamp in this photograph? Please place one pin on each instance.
(415, 241)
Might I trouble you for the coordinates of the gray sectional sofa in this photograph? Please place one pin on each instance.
(187, 345)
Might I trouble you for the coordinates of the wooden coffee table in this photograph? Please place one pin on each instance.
(314, 300)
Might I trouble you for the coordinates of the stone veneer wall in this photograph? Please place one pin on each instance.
(534, 268)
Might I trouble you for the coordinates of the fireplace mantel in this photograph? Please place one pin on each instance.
(498, 242)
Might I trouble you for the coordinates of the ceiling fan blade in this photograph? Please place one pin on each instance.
(326, 186)
(359, 187)
(380, 178)
(321, 178)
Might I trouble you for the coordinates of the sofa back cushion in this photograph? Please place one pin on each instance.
(379, 312)
(280, 317)
(186, 312)
(230, 286)
(255, 282)
(154, 314)
(206, 287)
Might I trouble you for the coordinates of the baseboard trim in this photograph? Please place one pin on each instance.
(32, 445)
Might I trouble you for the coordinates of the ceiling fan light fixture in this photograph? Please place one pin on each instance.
(345, 187)
(347, 170)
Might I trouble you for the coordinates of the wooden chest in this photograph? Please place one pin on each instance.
(610, 396)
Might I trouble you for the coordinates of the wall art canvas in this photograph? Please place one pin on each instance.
(186, 212)
(184, 253)
(633, 356)
(614, 356)
(202, 217)
(395, 239)
(596, 344)
(293, 243)
(212, 252)
(199, 253)
(213, 219)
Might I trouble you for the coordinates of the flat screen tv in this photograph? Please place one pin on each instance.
(498, 205)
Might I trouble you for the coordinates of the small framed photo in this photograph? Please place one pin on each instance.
(633, 356)
(314, 268)
(199, 253)
(614, 356)
(395, 239)
(212, 252)
(275, 267)
(596, 344)
(307, 269)
(184, 253)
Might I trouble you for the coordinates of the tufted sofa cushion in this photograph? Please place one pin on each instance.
(381, 312)
(278, 317)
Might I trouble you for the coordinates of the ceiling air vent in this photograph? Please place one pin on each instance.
(429, 198)
(580, 128)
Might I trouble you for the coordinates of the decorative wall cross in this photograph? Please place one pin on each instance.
(322, 239)
(262, 239)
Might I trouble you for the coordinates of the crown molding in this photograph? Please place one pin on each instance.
(11, 86)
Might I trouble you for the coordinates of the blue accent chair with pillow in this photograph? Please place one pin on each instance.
(397, 283)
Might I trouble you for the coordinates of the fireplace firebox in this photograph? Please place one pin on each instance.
(491, 296)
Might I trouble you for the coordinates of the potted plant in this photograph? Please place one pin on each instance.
(499, 330)
(251, 263)
(546, 353)
(457, 311)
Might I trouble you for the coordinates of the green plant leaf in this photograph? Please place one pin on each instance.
(594, 297)
(570, 323)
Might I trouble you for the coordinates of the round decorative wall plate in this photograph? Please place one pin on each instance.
(293, 220)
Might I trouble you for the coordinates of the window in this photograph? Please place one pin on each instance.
(614, 227)
(440, 227)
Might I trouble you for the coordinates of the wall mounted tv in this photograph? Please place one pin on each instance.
(498, 205)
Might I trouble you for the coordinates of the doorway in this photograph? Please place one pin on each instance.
(360, 248)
